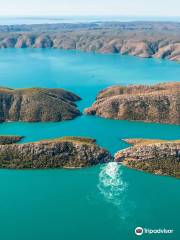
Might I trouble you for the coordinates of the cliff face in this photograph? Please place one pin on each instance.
(67, 152)
(158, 103)
(140, 42)
(154, 156)
(9, 139)
(37, 104)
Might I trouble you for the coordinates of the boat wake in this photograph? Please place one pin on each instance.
(114, 189)
(111, 184)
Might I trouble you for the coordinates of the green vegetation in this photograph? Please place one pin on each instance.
(142, 141)
(81, 140)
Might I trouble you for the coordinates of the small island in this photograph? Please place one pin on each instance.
(37, 104)
(160, 157)
(10, 139)
(65, 152)
(157, 103)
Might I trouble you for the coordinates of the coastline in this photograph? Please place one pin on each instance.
(143, 39)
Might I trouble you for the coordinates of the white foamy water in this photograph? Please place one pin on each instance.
(111, 184)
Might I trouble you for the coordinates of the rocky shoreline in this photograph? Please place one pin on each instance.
(159, 157)
(153, 156)
(66, 152)
(142, 39)
(10, 139)
(157, 103)
(37, 104)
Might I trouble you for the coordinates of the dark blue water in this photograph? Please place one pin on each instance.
(107, 201)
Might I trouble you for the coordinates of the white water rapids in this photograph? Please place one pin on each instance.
(111, 184)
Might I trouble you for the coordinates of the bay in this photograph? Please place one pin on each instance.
(102, 202)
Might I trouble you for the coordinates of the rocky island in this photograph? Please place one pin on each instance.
(142, 39)
(150, 155)
(66, 152)
(10, 139)
(156, 103)
(37, 104)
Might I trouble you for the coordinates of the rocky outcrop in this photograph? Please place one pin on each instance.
(136, 39)
(10, 139)
(153, 156)
(169, 51)
(37, 104)
(67, 152)
(157, 103)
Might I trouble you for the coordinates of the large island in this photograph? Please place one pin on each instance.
(156, 103)
(66, 152)
(37, 104)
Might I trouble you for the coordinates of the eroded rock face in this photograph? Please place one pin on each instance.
(146, 43)
(9, 139)
(154, 156)
(158, 103)
(37, 104)
(67, 152)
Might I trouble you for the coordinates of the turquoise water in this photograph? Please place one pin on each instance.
(103, 202)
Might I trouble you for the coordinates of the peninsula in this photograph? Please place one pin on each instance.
(66, 152)
(157, 103)
(151, 155)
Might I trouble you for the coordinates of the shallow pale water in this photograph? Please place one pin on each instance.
(106, 201)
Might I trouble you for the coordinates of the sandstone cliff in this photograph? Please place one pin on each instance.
(157, 103)
(37, 104)
(67, 152)
(157, 41)
(154, 156)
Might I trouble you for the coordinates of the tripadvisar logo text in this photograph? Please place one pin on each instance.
(140, 231)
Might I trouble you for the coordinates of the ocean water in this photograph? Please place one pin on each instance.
(102, 202)
(81, 19)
